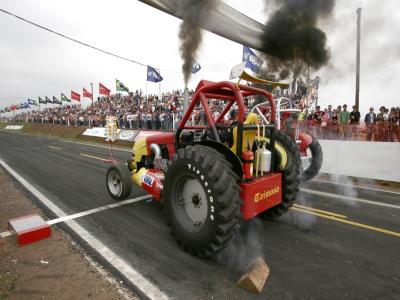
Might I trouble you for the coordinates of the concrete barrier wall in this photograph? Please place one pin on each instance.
(373, 160)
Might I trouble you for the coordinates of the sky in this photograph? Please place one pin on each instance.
(36, 63)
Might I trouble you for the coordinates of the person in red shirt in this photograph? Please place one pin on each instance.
(394, 125)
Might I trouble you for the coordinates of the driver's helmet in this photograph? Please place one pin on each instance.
(233, 112)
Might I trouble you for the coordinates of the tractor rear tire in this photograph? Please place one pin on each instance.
(201, 200)
(118, 181)
(290, 175)
(316, 161)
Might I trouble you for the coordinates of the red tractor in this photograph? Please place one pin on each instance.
(209, 176)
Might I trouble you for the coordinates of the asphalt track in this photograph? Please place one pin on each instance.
(340, 248)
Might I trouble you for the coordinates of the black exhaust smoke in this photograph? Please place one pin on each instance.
(291, 39)
(193, 12)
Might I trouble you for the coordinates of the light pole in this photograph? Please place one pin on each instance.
(91, 86)
(358, 58)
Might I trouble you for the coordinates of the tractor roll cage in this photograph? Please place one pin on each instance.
(232, 93)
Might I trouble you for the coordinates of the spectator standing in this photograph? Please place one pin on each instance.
(317, 120)
(344, 117)
(380, 133)
(354, 122)
(335, 123)
(324, 124)
(370, 121)
(394, 125)
(329, 111)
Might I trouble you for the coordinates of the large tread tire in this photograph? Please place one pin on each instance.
(216, 178)
(290, 176)
(122, 178)
(317, 158)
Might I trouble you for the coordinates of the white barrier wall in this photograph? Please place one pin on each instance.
(373, 160)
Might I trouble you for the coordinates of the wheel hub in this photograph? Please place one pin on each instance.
(191, 204)
(196, 200)
(114, 183)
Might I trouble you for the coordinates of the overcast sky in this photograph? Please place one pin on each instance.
(35, 63)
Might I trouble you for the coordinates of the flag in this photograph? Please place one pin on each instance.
(7, 109)
(253, 62)
(153, 75)
(87, 94)
(120, 87)
(32, 102)
(42, 100)
(56, 101)
(196, 67)
(103, 90)
(75, 96)
(24, 105)
(48, 99)
(2, 111)
(65, 98)
(13, 107)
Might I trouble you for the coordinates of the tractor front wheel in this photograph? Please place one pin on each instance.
(201, 200)
(118, 181)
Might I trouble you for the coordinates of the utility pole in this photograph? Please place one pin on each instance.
(358, 58)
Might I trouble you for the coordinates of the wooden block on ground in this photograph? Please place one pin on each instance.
(254, 280)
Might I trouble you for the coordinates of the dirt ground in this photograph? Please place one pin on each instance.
(50, 269)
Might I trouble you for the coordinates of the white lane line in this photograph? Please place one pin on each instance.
(98, 209)
(98, 146)
(356, 186)
(342, 197)
(57, 148)
(137, 279)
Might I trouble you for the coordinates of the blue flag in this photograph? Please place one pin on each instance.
(253, 62)
(196, 67)
(153, 75)
(32, 102)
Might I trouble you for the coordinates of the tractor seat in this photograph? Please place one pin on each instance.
(248, 135)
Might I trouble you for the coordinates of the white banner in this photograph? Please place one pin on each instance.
(127, 135)
(122, 134)
(14, 127)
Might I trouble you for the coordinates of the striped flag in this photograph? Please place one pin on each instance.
(120, 87)
(56, 101)
(32, 102)
(87, 94)
(65, 98)
(103, 90)
(75, 96)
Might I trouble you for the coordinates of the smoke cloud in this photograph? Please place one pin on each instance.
(300, 220)
(244, 247)
(291, 39)
(190, 35)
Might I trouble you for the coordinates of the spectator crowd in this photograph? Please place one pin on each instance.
(340, 123)
(136, 111)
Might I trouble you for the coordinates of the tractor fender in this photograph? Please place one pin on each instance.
(231, 157)
(306, 141)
